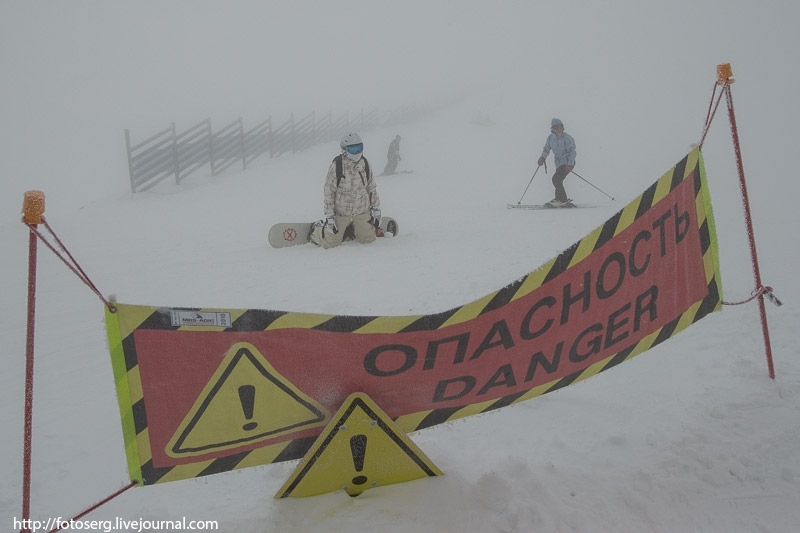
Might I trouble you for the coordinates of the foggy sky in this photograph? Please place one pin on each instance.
(77, 73)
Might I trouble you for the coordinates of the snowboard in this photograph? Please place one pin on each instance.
(545, 206)
(291, 234)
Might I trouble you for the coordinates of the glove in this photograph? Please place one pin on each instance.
(541, 161)
(330, 225)
(376, 216)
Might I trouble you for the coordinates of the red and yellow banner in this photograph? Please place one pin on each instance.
(203, 391)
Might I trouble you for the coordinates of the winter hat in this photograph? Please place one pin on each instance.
(555, 122)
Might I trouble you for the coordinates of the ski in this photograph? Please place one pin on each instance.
(545, 206)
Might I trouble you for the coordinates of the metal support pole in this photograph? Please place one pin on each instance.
(724, 79)
(33, 208)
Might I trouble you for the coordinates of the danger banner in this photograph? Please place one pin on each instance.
(203, 391)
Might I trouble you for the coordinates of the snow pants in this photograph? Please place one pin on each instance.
(391, 166)
(558, 182)
(362, 227)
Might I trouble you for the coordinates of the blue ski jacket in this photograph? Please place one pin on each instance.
(563, 147)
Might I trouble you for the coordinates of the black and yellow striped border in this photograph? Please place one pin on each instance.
(121, 325)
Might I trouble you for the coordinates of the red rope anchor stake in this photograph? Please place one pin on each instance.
(724, 82)
(32, 211)
(33, 217)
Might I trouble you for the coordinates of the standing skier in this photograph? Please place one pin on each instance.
(393, 155)
(350, 196)
(563, 146)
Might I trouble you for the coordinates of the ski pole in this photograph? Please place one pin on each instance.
(531, 181)
(587, 181)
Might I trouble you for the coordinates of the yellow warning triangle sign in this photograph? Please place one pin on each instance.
(245, 401)
(361, 448)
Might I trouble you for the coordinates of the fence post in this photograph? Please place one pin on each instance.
(271, 139)
(210, 145)
(175, 156)
(314, 131)
(211, 149)
(241, 143)
(130, 161)
(292, 135)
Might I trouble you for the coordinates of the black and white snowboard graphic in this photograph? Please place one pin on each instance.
(293, 233)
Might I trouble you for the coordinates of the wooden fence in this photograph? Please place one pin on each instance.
(169, 153)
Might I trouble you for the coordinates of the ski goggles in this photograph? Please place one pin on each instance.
(355, 149)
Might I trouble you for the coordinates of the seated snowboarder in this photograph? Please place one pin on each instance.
(350, 197)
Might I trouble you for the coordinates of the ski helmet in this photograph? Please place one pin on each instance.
(349, 139)
(556, 122)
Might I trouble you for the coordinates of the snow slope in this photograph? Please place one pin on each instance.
(690, 436)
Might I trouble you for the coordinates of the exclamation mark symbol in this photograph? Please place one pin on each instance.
(358, 446)
(247, 396)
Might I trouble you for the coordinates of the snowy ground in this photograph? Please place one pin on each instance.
(690, 436)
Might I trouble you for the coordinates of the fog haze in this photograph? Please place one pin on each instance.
(76, 74)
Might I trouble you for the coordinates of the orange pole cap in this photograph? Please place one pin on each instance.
(33, 207)
(724, 74)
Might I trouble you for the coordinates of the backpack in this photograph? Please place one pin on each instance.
(340, 170)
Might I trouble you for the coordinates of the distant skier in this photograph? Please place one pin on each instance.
(393, 155)
(350, 196)
(563, 146)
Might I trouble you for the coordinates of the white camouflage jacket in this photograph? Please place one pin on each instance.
(355, 194)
